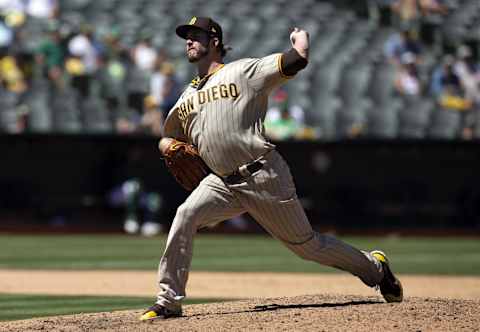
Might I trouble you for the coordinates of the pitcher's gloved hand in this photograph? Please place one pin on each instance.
(184, 162)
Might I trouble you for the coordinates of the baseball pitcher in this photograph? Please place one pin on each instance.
(215, 145)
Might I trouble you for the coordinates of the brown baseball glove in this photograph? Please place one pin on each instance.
(185, 164)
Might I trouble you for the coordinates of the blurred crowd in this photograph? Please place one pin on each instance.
(135, 85)
(451, 78)
(425, 65)
(129, 89)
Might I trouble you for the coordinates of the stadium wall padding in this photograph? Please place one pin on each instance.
(352, 184)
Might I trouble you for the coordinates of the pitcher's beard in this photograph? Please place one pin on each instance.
(199, 55)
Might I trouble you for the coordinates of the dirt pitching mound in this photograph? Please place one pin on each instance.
(302, 313)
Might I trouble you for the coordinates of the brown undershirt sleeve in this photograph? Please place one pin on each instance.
(292, 62)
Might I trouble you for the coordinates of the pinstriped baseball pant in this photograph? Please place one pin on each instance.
(269, 196)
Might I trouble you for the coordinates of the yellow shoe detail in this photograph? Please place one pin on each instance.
(380, 256)
(390, 287)
(148, 315)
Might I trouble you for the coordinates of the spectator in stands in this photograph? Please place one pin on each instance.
(149, 122)
(450, 94)
(125, 125)
(280, 122)
(6, 35)
(430, 25)
(454, 91)
(83, 47)
(115, 60)
(444, 76)
(407, 81)
(45, 9)
(172, 88)
(158, 81)
(9, 6)
(144, 54)
(279, 100)
(112, 46)
(468, 70)
(12, 84)
(152, 119)
(11, 77)
(137, 87)
(164, 86)
(142, 207)
(429, 7)
(401, 43)
(406, 14)
(51, 54)
(283, 128)
(113, 74)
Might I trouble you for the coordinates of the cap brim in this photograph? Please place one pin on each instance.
(182, 30)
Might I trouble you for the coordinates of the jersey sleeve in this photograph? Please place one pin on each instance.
(265, 73)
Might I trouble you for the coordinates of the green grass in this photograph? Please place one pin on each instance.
(14, 307)
(460, 256)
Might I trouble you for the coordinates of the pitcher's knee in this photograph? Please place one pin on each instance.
(185, 216)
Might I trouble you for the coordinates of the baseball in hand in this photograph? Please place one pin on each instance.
(300, 41)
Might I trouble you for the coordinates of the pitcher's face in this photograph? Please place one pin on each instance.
(197, 46)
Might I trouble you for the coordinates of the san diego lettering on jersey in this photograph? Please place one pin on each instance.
(205, 96)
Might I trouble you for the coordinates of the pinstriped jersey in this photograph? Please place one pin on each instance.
(223, 114)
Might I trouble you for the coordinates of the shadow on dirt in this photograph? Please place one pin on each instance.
(271, 307)
(274, 306)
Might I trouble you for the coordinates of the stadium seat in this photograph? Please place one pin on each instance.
(95, 116)
(373, 50)
(351, 118)
(322, 115)
(137, 80)
(354, 82)
(346, 57)
(381, 85)
(383, 119)
(445, 124)
(65, 111)
(37, 101)
(476, 124)
(327, 77)
(74, 4)
(415, 118)
(8, 111)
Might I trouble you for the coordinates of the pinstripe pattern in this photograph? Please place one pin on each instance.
(228, 131)
(211, 202)
(270, 197)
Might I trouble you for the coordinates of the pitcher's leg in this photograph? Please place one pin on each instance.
(287, 222)
(211, 202)
(271, 199)
(330, 251)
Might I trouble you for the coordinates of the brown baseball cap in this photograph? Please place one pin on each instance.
(205, 24)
